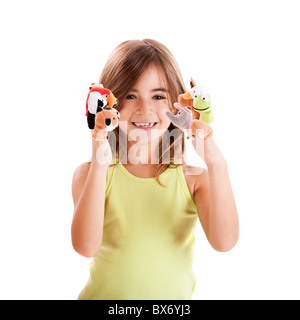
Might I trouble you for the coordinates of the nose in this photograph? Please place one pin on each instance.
(144, 107)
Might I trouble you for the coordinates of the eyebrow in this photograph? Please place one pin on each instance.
(153, 90)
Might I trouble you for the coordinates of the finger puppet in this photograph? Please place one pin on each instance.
(201, 102)
(98, 98)
(101, 116)
(189, 118)
(183, 117)
(106, 120)
(200, 129)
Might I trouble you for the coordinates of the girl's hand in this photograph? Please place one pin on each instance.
(101, 151)
(201, 129)
(204, 144)
(101, 154)
(99, 133)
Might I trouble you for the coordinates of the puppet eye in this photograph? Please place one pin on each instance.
(105, 96)
(194, 94)
(205, 98)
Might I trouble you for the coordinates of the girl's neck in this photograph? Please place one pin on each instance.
(143, 155)
(141, 170)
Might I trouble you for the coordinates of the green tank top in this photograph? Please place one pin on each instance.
(148, 239)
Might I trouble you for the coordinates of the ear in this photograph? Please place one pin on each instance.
(91, 86)
(178, 106)
(99, 85)
(192, 83)
(187, 110)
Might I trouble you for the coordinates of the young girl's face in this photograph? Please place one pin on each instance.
(143, 111)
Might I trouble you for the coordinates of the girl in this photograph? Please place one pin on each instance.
(135, 216)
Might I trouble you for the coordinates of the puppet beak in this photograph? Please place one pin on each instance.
(111, 100)
(187, 96)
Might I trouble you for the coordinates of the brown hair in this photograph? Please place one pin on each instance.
(123, 68)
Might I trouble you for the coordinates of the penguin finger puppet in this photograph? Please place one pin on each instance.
(98, 98)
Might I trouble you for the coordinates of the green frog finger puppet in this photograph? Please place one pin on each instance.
(201, 103)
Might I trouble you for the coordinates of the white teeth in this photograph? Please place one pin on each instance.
(144, 124)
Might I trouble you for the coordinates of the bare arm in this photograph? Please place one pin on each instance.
(215, 201)
(88, 190)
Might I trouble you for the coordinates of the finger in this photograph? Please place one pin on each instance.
(201, 129)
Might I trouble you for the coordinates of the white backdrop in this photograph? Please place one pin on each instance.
(245, 52)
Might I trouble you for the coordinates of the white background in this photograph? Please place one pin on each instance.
(245, 52)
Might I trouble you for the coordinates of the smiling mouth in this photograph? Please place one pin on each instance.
(201, 109)
(144, 125)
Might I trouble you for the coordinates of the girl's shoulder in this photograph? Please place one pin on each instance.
(192, 170)
(82, 171)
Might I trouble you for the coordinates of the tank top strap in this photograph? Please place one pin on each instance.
(185, 188)
(177, 174)
(110, 172)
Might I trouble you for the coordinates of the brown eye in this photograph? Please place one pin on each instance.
(130, 96)
(159, 97)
